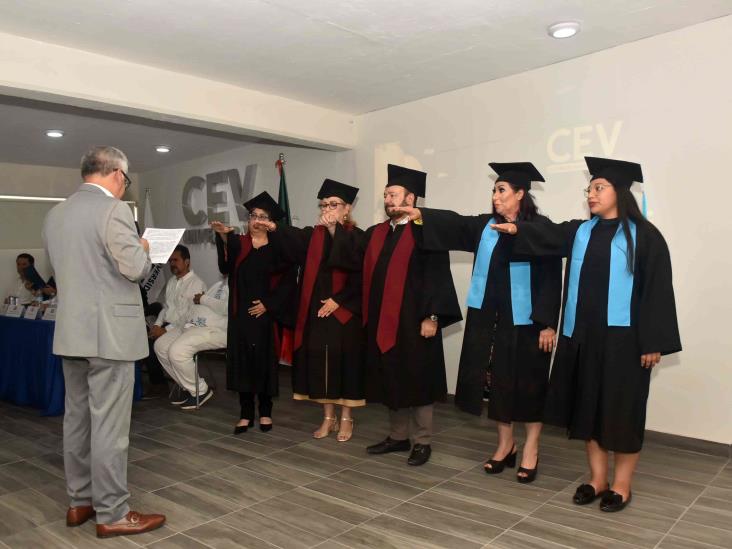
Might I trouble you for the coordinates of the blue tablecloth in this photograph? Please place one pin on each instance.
(30, 374)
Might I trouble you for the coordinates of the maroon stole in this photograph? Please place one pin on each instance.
(310, 273)
(245, 247)
(396, 277)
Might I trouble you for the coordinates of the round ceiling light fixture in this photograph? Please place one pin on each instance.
(54, 134)
(566, 29)
(162, 149)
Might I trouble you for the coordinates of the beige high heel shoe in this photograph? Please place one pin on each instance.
(345, 437)
(332, 427)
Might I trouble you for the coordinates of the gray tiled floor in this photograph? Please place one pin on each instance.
(284, 489)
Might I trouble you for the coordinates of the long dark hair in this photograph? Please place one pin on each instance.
(628, 210)
(527, 207)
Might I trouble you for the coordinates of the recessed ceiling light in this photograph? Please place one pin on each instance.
(54, 133)
(163, 149)
(563, 30)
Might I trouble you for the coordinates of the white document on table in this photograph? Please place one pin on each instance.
(162, 243)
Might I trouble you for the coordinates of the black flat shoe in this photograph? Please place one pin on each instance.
(239, 429)
(585, 494)
(265, 427)
(497, 465)
(389, 445)
(612, 502)
(420, 454)
(530, 473)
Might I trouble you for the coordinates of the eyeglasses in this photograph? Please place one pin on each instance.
(596, 188)
(258, 217)
(330, 205)
(128, 181)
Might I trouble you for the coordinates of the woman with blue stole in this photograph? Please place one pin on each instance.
(513, 310)
(619, 318)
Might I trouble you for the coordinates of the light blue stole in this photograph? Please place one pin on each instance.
(620, 289)
(520, 277)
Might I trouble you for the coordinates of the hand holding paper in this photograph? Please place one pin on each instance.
(162, 243)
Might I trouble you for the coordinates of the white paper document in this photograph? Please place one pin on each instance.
(162, 243)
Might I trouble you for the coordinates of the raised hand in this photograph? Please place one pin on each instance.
(649, 360)
(329, 306)
(547, 339)
(267, 226)
(413, 213)
(505, 228)
(220, 228)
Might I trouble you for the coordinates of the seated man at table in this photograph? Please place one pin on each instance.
(179, 292)
(205, 329)
(21, 288)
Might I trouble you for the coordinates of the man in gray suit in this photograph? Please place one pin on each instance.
(100, 333)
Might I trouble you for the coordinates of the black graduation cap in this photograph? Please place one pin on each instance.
(265, 202)
(336, 188)
(520, 174)
(412, 180)
(618, 172)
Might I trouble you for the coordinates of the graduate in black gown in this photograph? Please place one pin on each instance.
(513, 310)
(328, 342)
(408, 298)
(261, 292)
(619, 318)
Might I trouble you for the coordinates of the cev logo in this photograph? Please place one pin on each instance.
(214, 188)
(567, 147)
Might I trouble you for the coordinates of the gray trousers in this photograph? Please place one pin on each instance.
(417, 420)
(96, 434)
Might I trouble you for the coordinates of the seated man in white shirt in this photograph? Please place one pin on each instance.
(22, 290)
(205, 329)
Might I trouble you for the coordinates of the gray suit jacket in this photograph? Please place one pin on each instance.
(97, 260)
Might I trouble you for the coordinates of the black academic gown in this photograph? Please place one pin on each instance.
(598, 388)
(519, 370)
(328, 367)
(251, 357)
(412, 373)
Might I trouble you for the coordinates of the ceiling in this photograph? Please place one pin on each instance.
(354, 56)
(23, 137)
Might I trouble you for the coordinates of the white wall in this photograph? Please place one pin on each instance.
(305, 170)
(664, 102)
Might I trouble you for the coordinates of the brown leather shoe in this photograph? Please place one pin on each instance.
(76, 516)
(134, 523)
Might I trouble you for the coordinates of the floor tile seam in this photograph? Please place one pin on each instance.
(372, 476)
(367, 509)
(688, 507)
(554, 492)
(526, 535)
(595, 534)
(510, 495)
(612, 523)
(228, 525)
(274, 477)
(268, 477)
(44, 527)
(170, 485)
(271, 518)
(398, 535)
(196, 540)
(387, 513)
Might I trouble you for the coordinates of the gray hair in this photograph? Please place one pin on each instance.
(103, 160)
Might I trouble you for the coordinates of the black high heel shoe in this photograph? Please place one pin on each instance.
(239, 429)
(530, 473)
(497, 465)
(265, 427)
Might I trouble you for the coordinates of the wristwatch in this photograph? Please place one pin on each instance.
(433, 318)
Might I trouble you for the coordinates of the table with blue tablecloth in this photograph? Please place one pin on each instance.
(30, 374)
